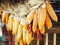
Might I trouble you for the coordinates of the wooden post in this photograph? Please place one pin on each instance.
(15, 41)
(54, 39)
(37, 42)
(46, 39)
(37, 39)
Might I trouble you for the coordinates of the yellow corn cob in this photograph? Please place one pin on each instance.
(28, 38)
(21, 42)
(51, 12)
(15, 26)
(42, 31)
(19, 33)
(48, 22)
(24, 35)
(4, 18)
(25, 26)
(41, 17)
(31, 36)
(10, 23)
(34, 27)
(7, 17)
(30, 17)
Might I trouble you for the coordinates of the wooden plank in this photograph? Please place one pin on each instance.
(53, 30)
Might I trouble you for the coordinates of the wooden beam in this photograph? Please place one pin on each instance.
(53, 30)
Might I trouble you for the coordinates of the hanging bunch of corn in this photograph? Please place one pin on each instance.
(25, 22)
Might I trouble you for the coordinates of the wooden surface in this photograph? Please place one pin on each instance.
(53, 30)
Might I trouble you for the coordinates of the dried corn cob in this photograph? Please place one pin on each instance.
(34, 27)
(48, 22)
(51, 12)
(30, 17)
(41, 17)
(31, 36)
(3, 18)
(15, 26)
(7, 17)
(42, 31)
(28, 41)
(24, 35)
(21, 42)
(19, 33)
(10, 23)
